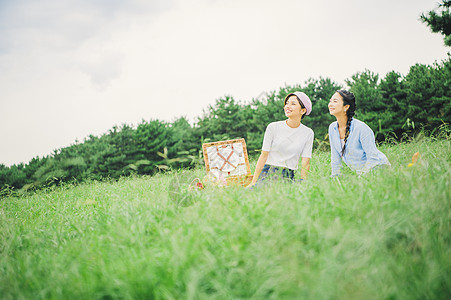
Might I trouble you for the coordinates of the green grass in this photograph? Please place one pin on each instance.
(386, 235)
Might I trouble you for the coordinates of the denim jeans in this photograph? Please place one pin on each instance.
(275, 173)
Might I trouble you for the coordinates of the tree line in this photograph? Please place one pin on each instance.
(393, 106)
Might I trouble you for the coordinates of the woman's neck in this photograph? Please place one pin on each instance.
(342, 120)
(293, 123)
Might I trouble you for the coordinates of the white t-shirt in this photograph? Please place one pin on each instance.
(285, 144)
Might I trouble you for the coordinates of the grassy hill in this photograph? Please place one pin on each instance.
(386, 235)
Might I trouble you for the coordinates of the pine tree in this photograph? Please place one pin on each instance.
(440, 22)
(393, 91)
(370, 105)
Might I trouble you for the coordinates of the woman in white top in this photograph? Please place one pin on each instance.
(286, 141)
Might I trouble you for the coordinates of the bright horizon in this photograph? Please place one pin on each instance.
(69, 68)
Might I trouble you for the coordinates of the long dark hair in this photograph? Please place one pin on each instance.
(348, 99)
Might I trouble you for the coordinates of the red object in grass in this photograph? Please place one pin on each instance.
(200, 185)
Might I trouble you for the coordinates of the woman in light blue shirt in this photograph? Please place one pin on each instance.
(351, 140)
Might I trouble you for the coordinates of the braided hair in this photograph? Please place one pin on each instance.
(348, 99)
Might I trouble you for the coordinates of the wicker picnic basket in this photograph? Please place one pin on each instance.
(228, 161)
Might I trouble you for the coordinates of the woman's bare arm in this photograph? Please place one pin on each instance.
(259, 167)
(305, 167)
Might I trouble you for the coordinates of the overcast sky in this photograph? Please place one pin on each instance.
(71, 68)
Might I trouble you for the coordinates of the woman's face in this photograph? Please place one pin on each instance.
(293, 109)
(336, 107)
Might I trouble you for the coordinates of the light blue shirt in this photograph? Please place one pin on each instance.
(361, 154)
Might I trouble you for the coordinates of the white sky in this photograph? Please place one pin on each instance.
(70, 68)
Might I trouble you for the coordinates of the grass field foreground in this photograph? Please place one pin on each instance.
(386, 235)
